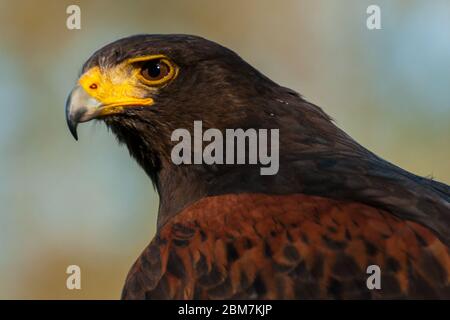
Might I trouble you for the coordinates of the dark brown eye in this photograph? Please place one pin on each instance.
(155, 70)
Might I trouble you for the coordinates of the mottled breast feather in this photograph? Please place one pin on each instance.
(256, 246)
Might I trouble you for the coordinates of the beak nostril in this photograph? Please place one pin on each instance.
(93, 86)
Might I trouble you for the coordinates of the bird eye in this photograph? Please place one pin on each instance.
(155, 70)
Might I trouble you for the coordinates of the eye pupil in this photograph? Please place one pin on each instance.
(154, 70)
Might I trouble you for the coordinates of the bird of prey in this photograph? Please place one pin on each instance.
(316, 229)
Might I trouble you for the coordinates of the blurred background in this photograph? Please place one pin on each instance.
(87, 203)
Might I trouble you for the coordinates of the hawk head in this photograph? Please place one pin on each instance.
(156, 83)
(144, 87)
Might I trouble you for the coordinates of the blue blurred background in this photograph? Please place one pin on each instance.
(87, 203)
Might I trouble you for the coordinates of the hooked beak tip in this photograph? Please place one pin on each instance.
(72, 122)
(73, 128)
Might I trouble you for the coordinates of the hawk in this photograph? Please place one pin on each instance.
(313, 230)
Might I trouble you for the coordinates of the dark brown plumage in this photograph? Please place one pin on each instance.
(309, 231)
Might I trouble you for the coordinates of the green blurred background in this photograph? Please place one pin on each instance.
(87, 203)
